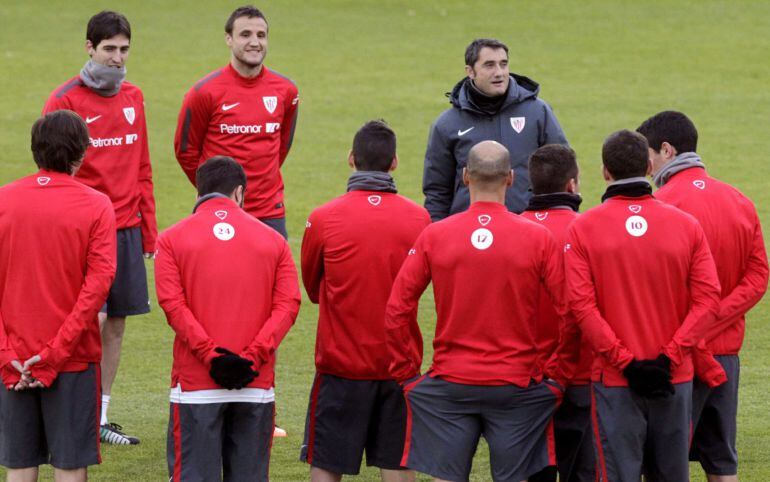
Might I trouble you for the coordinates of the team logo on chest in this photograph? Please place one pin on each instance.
(541, 216)
(271, 102)
(635, 208)
(221, 214)
(636, 226)
(130, 114)
(43, 180)
(374, 200)
(518, 124)
(699, 183)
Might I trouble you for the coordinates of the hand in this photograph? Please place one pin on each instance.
(231, 371)
(650, 378)
(27, 380)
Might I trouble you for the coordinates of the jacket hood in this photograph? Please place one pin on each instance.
(520, 89)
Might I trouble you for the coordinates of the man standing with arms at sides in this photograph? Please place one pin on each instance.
(229, 288)
(117, 164)
(352, 251)
(732, 228)
(485, 378)
(642, 284)
(489, 104)
(244, 111)
(57, 261)
(553, 172)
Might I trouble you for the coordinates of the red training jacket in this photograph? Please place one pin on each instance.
(557, 221)
(486, 265)
(353, 248)
(732, 228)
(250, 120)
(117, 162)
(641, 281)
(57, 262)
(225, 279)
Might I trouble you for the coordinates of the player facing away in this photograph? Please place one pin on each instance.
(643, 286)
(353, 248)
(57, 240)
(485, 379)
(490, 103)
(246, 111)
(229, 288)
(553, 173)
(117, 163)
(731, 225)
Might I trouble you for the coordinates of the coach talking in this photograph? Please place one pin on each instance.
(489, 104)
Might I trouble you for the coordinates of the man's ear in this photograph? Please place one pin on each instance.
(649, 167)
(572, 186)
(393, 163)
(509, 178)
(668, 151)
(352, 160)
(470, 72)
(466, 177)
(606, 174)
(90, 48)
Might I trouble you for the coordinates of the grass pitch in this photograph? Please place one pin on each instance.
(602, 66)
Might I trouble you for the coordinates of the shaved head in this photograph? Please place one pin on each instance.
(488, 163)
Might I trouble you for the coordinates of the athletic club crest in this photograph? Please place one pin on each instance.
(271, 102)
(700, 184)
(374, 200)
(635, 208)
(484, 219)
(43, 180)
(221, 214)
(541, 216)
(130, 114)
(518, 124)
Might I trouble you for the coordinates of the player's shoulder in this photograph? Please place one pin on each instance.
(67, 88)
(280, 79)
(130, 89)
(208, 81)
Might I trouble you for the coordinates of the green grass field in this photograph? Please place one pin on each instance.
(602, 66)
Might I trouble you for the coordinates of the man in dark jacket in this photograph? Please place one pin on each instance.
(489, 104)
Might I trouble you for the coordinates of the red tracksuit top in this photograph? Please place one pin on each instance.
(250, 120)
(352, 250)
(557, 221)
(732, 228)
(640, 281)
(117, 162)
(225, 279)
(487, 266)
(57, 262)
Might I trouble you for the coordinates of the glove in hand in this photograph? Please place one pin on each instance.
(650, 378)
(231, 371)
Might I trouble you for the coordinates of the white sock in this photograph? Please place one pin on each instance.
(105, 405)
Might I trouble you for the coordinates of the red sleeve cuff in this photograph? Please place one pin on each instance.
(44, 372)
(10, 376)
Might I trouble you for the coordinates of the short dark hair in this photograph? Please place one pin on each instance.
(245, 11)
(219, 174)
(107, 24)
(625, 154)
(472, 50)
(374, 146)
(670, 126)
(59, 141)
(551, 167)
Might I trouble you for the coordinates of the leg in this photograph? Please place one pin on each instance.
(387, 431)
(574, 438)
(112, 329)
(620, 429)
(397, 475)
(28, 474)
(318, 474)
(72, 475)
(194, 447)
(247, 438)
(668, 436)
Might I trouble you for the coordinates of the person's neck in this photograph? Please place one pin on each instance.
(486, 196)
(245, 70)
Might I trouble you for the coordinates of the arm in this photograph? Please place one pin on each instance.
(191, 130)
(100, 271)
(748, 291)
(149, 224)
(171, 298)
(10, 375)
(581, 296)
(290, 113)
(704, 301)
(53, 103)
(552, 132)
(313, 257)
(286, 300)
(402, 333)
(438, 178)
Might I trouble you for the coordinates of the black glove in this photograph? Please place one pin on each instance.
(231, 371)
(650, 378)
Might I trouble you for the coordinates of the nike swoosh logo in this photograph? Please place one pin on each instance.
(462, 133)
(226, 107)
(91, 119)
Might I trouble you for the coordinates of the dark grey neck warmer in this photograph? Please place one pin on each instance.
(103, 80)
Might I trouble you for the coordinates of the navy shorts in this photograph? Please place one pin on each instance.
(714, 417)
(574, 437)
(445, 421)
(278, 224)
(128, 293)
(219, 441)
(636, 435)
(347, 417)
(58, 425)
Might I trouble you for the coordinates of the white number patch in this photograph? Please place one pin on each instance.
(224, 231)
(482, 239)
(636, 226)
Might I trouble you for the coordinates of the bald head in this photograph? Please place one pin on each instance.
(488, 164)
